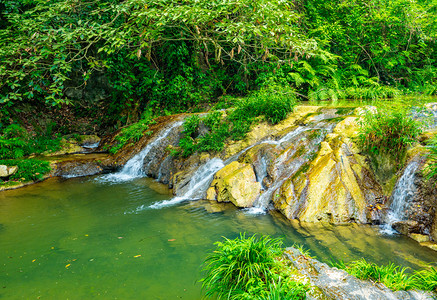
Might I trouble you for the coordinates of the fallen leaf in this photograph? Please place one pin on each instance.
(172, 240)
(139, 255)
(67, 266)
(34, 260)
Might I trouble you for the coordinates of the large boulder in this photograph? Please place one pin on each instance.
(235, 183)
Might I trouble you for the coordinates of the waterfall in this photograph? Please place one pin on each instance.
(198, 184)
(134, 167)
(284, 169)
(402, 195)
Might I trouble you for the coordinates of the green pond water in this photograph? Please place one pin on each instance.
(84, 239)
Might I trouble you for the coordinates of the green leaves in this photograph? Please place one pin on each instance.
(388, 131)
(273, 103)
(28, 169)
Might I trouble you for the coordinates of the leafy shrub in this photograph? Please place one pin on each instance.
(16, 142)
(388, 131)
(273, 103)
(131, 134)
(28, 169)
(245, 267)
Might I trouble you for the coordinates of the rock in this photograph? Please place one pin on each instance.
(420, 238)
(6, 171)
(338, 284)
(236, 183)
(361, 111)
(406, 227)
(337, 186)
(66, 148)
(430, 245)
(88, 140)
(211, 194)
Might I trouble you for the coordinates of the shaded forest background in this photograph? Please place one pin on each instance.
(94, 66)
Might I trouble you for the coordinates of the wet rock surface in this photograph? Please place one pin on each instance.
(336, 186)
(333, 283)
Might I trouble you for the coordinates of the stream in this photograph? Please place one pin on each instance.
(86, 238)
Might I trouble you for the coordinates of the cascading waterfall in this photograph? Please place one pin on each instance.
(402, 195)
(203, 176)
(134, 167)
(198, 184)
(285, 170)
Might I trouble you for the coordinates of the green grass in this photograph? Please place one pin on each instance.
(392, 276)
(28, 169)
(248, 268)
(271, 104)
(131, 134)
(431, 169)
(427, 279)
(389, 131)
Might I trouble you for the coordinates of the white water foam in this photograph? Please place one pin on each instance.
(134, 167)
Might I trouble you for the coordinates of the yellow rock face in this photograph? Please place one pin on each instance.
(235, 183)
(336, 187)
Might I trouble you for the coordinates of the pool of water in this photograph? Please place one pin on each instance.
(86, 239)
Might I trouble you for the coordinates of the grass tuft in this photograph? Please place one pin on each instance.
(248, 268)
(388, 131)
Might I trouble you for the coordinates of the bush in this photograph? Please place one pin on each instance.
(131, 134)
(244, 267)
(388, 131)
(16, 142)
(28, 169)
(272, 103)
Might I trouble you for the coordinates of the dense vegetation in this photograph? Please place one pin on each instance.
(113, 59)
(28, 169)
(69, 66)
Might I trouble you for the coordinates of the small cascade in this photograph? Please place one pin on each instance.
(198, 184)
(286, 164)
(134, 167)
(403, 193)
(426, 114)
(261, 171)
